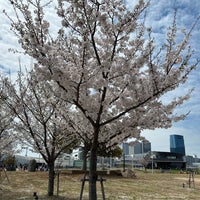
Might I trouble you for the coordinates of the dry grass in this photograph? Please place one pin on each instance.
(146, 186)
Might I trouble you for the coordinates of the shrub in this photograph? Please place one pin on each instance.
(10, 163)
(32, 165)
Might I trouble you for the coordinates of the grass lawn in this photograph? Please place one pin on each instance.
(145, 186)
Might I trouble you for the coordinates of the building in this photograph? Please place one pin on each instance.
(146, 146)
(125, 148)
(138, 147)
(177, 144)
(165, 160)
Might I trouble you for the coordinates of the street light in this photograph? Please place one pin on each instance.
(152, 157)
(132, 160)
(124, 164)
(26, 148)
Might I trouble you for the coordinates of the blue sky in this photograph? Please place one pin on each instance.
(159, 16)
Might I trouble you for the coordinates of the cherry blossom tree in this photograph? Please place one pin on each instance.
(41, 120)
(107, 65)
(7, 136)
(7, 139)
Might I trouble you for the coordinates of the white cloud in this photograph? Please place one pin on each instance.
(8, 40)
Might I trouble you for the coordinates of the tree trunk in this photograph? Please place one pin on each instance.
(84, 167)
(51, 179)
(93, 167)
(93, 174)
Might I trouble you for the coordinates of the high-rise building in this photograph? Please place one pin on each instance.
(146, 146)
(177, 144)
(139, 147)
(125, 148)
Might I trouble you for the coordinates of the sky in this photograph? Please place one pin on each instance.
(159, 16)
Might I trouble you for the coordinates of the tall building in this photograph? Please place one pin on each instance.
(146, 146)
(139, 147)
(177, 144)
(125, 148)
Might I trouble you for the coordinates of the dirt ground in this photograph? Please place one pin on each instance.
(146, 186)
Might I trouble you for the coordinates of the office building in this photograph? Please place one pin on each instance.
(125, 148)
(177, 144)
(139, 147)
(165, 160)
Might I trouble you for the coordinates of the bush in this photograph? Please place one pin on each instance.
(10, 163)
(32, 165)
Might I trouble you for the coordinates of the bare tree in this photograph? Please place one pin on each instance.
(106, 64)
(41, 119)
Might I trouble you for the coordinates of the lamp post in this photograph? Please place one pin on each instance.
(132, 160)
(152, 157)
(124, 164)
(26, 148)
